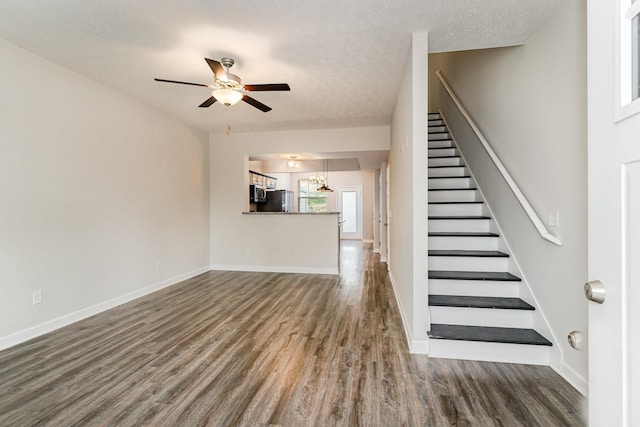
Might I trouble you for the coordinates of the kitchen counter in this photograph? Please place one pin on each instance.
(273, 242)
(290, 213)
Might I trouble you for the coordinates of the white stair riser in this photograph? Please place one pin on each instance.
(452, 196)
(449, 171)
(475, 225)
(489, 352)
(435, 128)
(450, 183)
(474, 288)
(464, 243)
(443, 143)
(464, 263)
(447, 161)
(449, 151)
(437, 136)
(433, 116)
(498, 318)
(434, 122)
(456, 209)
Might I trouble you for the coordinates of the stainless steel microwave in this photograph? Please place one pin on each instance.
(257, 194)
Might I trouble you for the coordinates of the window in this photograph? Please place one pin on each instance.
(629, 58)
(309, 199)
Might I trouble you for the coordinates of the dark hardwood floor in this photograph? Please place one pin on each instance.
(257, 349)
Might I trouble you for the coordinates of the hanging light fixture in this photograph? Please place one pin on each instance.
(227, 96)
(324, 188)
(293, 163)
(318, 180)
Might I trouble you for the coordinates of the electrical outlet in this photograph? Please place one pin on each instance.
(247, 251)
(554, 219)
(36, 297)
(158, 265)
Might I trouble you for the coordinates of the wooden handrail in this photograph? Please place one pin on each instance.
(533, 216)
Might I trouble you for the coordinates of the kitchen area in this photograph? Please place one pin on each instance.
(264, 196)
(297, 191)
(300, 241)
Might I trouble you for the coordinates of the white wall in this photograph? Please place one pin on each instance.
(530, 103)
(408, 222)
(236, 239)
(96, 189)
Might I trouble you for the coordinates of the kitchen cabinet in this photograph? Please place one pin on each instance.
(271, 183)
(257, 178)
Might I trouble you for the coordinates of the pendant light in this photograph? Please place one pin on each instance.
(324, 188)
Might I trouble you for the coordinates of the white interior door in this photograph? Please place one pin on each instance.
(614, 223)
(350, 207)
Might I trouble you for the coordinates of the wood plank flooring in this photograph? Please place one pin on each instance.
(267, 349)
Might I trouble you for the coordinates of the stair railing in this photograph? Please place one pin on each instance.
(533, 216)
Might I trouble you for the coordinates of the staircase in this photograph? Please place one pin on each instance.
(476, 312)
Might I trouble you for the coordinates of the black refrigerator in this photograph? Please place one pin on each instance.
(277, 201)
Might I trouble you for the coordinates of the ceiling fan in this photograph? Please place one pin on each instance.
(228, 88)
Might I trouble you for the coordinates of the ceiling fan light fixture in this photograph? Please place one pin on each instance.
(227, 97)
(292, 162)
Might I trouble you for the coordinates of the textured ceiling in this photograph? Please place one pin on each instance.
(343, 59)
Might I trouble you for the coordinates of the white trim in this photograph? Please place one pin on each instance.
(490, 352)
(537, 222)
(624, 14)
(273, 269)
(632, 11)
(376, 250)
(572, 377)
(67, 319)
(627, 110)
(419, 347)
(415, 346)
(369, 241)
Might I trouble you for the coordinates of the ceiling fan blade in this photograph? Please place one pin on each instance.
(217, 69)
(267, 87)
(208, 103)
(259, 105)
(182, 83)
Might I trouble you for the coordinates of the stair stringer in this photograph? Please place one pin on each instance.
(525, 292)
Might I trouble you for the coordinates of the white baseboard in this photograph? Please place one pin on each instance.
(383, 258)
(367, 241)
(415, 346)
(274, 269)
(67, 319)
(376, 250)
(572, 377)
(419, 347)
